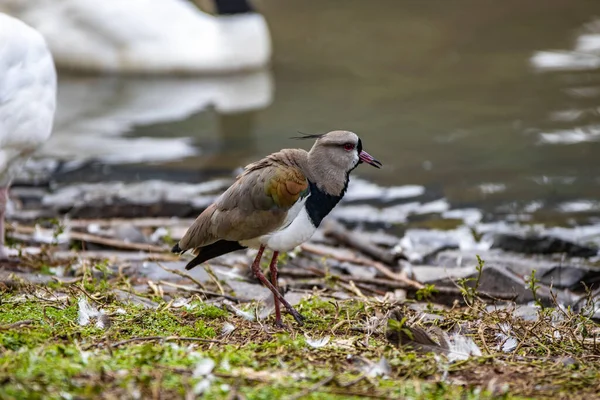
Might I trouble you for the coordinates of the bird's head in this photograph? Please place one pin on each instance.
(341, 150)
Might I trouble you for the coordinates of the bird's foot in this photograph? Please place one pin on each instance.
(297, 316)
(279, 324)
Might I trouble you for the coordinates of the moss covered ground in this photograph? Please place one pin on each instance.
(198, 348)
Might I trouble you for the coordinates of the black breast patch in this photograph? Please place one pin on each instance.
(319, 203)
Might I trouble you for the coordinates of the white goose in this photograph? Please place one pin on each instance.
(27, 101)
(148, 36)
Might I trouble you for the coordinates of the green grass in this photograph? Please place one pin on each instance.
(52, 356)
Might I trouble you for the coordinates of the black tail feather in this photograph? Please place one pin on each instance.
(176, 249)
(213, 250)
(232, 7)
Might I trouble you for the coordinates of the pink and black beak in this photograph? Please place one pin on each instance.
(363, 156)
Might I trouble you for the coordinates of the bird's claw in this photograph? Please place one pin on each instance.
(297, 316)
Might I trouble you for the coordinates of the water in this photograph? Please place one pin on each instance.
(444, 93)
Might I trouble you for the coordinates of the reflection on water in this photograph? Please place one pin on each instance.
(137, 120)
(451, 98)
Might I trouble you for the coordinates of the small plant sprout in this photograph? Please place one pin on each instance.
(532, 285)
(426, 293)
(470, 292)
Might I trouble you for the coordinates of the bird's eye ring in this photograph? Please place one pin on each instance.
(349, 146)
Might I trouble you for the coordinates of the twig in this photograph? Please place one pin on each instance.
(357, 241)
(362, 261)
(214, 278)
(312, 389)
(16, 325)
(441, 290)
(482, 337)
(163, 339)
(353, 381)
(184, 275)
(136, 222)
(200, 291)
(86, 237)
(344, 279)
(112, 254)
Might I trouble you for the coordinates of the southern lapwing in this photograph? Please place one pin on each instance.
(277, 203)
(27, 101)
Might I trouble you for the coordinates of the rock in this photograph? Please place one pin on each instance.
(499, 280)
(542, 245)
(517, 263)
(571, 277)
(422, 245)
(129, 233)
(152, 271)
(428, 273)
(248, 291)
(132, 200)
(14, 278)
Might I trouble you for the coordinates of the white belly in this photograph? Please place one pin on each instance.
(297, 232)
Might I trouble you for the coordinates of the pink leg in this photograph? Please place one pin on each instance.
(273, 269)
(258, 273)
(3, 201)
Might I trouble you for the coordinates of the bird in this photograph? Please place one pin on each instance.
(149, 36)
(27, 101)
(277, 203)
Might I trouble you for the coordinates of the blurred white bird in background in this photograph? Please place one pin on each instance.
(148, 36)
(227, 55)
(27, 101)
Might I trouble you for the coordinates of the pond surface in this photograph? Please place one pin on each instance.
(453, 96)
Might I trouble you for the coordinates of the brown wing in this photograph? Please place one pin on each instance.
(256, 204)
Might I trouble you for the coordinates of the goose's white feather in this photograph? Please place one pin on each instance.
(27, 93)
(146, 36)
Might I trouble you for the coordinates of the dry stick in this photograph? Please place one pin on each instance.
(110, 254)
(136, 222)
(184, 275)
(357, 241)
(363, 261)
(200, 291)
(16, 325)
(443, 290)
(318, 272)
(214, 278)
(86, 237)
(165, 339)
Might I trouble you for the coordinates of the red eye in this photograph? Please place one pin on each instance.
(349, 146)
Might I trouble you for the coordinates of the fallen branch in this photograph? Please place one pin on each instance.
(136, 222)
(112, 255)
(16, 325)
(86, 237)
(441, 290)
(358, 242)
(363, 261)
(348, 280)
(200, 291)
(157, 338)
(183, 275)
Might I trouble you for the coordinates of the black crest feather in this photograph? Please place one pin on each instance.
(308, 136)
